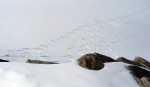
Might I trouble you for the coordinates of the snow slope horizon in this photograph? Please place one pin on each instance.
(81, 27)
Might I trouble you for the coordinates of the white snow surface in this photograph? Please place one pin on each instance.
(59, 30)
(63, 31)
(64, 75)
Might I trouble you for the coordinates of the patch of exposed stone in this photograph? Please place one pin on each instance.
(145, 81)
(94, 61)
(39, 62)
(144, 63)
(138, 72)
(122, 59)
(1, 60)
(139, 67)
(142, 76)
(90, 61)
(104, 58)
(141, 73)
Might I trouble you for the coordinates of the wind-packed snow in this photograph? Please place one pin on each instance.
(63, 31)
(64, 75)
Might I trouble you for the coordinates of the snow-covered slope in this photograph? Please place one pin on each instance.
(64, 75)
(64, 30)
(52, 29)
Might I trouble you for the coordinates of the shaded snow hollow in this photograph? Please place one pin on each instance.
(64, 75)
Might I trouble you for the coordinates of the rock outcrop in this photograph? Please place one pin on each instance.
(122, 59)
(139, 67)
(1, 60)
(90, 61)
(144, 63)
(104, 58)
(142, 76)
(39, 62)
(145, 81)
(94, 61)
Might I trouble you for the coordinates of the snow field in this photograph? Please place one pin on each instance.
(66, 75)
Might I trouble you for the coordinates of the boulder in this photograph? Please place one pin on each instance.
(94, 61)
(90, 61)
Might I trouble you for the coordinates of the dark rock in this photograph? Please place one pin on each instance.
(122, 59)
(1, 60)
(90, 61)
(39, 62)
(139, 72)
(142, 76)
(94, 61)
(104, 58)
(144, 63)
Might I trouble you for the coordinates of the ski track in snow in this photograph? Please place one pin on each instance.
(90, 32)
